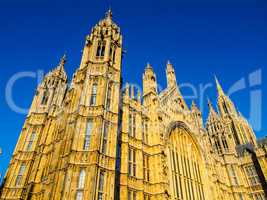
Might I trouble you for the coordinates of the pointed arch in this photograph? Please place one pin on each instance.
(186, 161)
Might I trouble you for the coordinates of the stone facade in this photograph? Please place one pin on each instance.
(95, 139)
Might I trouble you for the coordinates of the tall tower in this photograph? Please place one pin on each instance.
(92, 114)
(91, 141)
(28, 166)
(170, 73)
(242, 134)
(150, 90)
(219, 137)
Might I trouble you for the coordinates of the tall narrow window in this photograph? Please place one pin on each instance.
(20, 174)
(185, 163)
(45, 97)
(132, 124)
(81, 183)
(131, 194)
(132, 162)
(112, 52)
(233, 175)
(105, 138)
(146, 167)
(234, 132)
(101, 49)
(93, 94)
(108, 103)
(88, 133)
(225, 108)
(101, 186)
(218, 145)
(225, 144)
(32, 138)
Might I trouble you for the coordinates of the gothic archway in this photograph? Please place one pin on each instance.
(186, 164)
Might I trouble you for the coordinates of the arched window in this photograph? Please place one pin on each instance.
(185, 164)
(93, 94)
(101, 49)
(45, 97)
(132, 123)
(32, 138)
(112, 52)
(81, 179)
(81, 183)
(105, 138)
(20, 174)
(101, 185)
(88, 133)
(108, 102)
(225, 144)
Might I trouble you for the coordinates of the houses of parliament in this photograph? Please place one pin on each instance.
(98, 138)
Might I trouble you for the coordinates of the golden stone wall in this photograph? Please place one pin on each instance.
(96, 139)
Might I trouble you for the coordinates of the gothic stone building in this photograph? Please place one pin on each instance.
(95, 139)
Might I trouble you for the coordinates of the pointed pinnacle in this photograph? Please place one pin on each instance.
(109, 14)
(219, 87)
(148, 65)
(210, 104)
(62, 62)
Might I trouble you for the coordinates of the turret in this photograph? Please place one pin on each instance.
(149, 85)
(104, 44)
(50, 93)
(170, 73)
(219, 139)
(225, 105)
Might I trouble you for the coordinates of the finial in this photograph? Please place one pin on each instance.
(148, 66)
(209, 103)
(169, 66)
(62, 62)
(109, 13)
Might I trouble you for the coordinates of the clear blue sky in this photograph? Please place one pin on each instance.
(201, 38)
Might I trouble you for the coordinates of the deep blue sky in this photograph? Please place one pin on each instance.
(201, 38)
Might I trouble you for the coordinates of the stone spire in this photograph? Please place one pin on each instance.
(219, 87)
(109, 14)
(225, 105)
(170, 73)
(149, 85)
(62, 63)
(148, 66)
